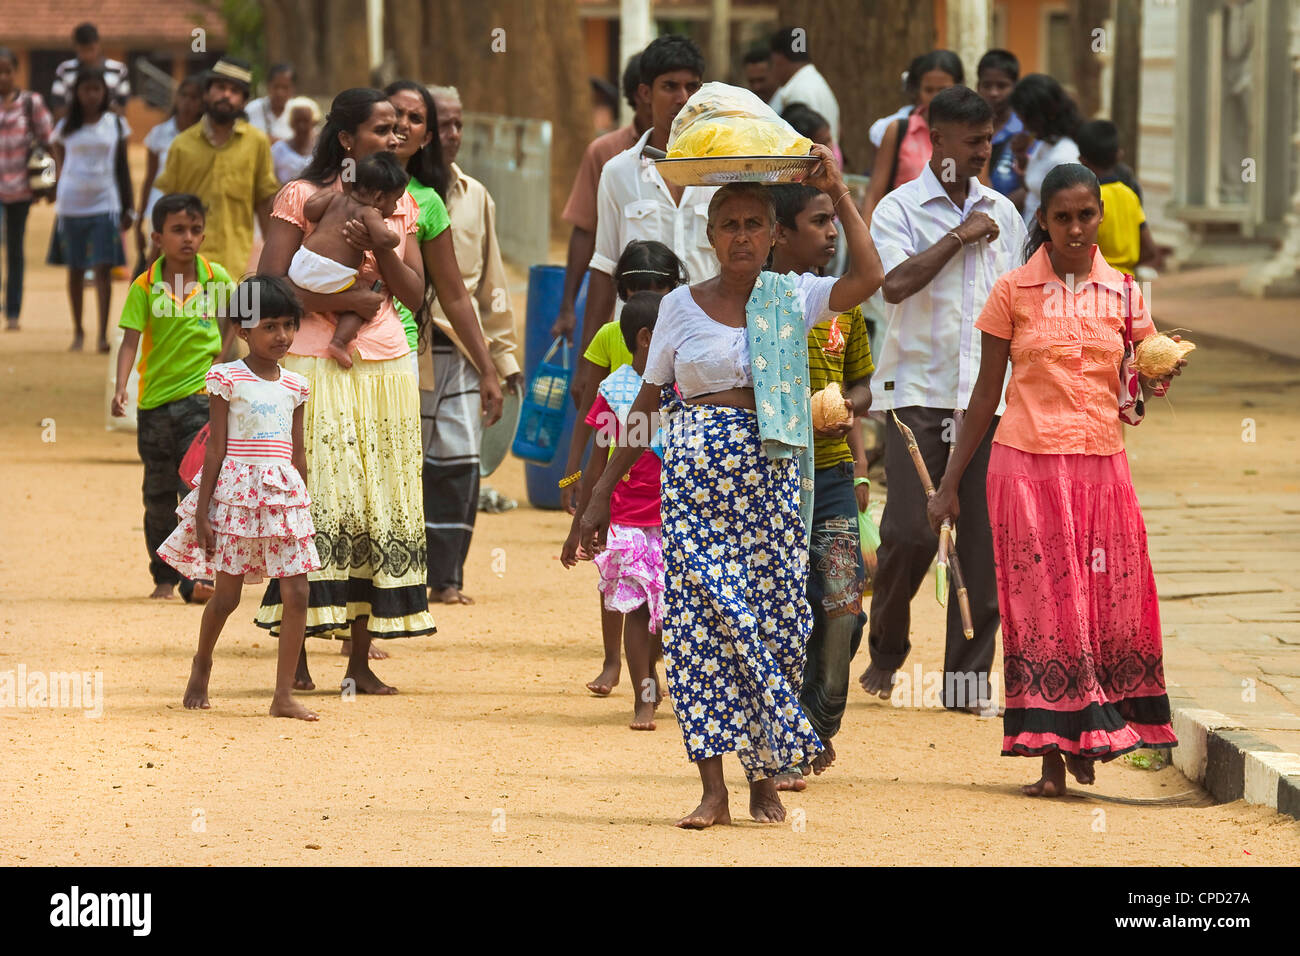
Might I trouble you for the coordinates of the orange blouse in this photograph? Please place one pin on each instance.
(383, 336)
(1066, 347)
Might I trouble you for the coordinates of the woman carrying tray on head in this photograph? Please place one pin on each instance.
(736, 618)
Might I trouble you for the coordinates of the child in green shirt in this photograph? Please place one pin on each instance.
(644, 266)
(172, 311)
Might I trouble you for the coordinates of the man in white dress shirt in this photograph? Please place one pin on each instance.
(634, 202)
(944, 238)
(799, 80)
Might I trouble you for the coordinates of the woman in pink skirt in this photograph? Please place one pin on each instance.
(1082, 656)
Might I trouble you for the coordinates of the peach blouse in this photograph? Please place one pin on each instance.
(383, 336)
(1066, 347)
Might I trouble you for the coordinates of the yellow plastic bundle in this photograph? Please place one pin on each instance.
(722, 120)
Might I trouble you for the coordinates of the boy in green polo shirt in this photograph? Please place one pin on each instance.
(173, 307)
(838, 351)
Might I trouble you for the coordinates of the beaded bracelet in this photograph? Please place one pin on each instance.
(570, 479)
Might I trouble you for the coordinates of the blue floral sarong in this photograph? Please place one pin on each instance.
(737, 618)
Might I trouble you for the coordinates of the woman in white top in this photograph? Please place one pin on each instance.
(292, 155)
(87, 202)
(187, 109)
(736, 619)
(270, 113)
(1051, 119)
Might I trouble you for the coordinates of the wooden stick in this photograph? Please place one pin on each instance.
(963, 597)
(959, 579)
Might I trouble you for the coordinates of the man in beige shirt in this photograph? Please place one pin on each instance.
(580, 210)
(449, 381)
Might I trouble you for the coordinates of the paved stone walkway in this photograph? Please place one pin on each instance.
(1226, 574)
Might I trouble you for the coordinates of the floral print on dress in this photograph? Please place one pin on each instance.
(260, 511)
(736, 616)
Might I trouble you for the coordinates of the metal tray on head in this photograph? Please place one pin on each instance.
(720, 170)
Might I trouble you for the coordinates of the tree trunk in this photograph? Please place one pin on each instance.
(514, 57)
(1087, 18)
(346, 55)
(294, 32)
(862, 48)
(1126, 86)
(404, 34)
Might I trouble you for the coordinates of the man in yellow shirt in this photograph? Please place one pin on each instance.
(226, 163)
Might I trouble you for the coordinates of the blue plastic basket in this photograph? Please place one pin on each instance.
(541, 421)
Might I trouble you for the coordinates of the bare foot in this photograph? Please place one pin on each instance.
(376, 653)
(1052, 782)
(289, 707)
(302, 678)
(605, 681)
(821, 763)
(791, 779)
(1083, 769)
(104, 347)
(764, 804)
(643, 717)
(984, 711)
(367, 683)
(453, 595)
(11, 325)
(713, 810)
(163, 592)
(196, 691)
(202, 591)
(78, 343)
(878, 681)
(339, 353)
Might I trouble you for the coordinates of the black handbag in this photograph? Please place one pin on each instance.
(41, 169)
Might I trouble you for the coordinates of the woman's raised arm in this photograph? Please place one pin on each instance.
(865, 271)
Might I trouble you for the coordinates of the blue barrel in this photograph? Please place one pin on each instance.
(545, 292)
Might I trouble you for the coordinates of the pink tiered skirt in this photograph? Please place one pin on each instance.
(1081, 644)
(261, 519)
(632, 571)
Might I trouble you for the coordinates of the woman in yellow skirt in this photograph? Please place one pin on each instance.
(362, 426)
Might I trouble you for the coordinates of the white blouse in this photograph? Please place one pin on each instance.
(88, 183)
(1045, 157)
(704, 356)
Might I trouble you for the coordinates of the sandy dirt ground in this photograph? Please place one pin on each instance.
(493, 753)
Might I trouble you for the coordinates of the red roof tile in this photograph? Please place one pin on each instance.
(135, 23)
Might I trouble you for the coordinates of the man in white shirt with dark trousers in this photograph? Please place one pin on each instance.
(633, 200)
(943, 238)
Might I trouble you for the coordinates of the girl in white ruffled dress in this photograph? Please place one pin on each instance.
(249, 517)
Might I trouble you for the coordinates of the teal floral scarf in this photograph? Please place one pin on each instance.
(778, 350)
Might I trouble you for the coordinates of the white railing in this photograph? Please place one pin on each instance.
(512, 158)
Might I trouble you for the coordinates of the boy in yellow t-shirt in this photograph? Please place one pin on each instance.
(1123, 236)
(172, 309)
